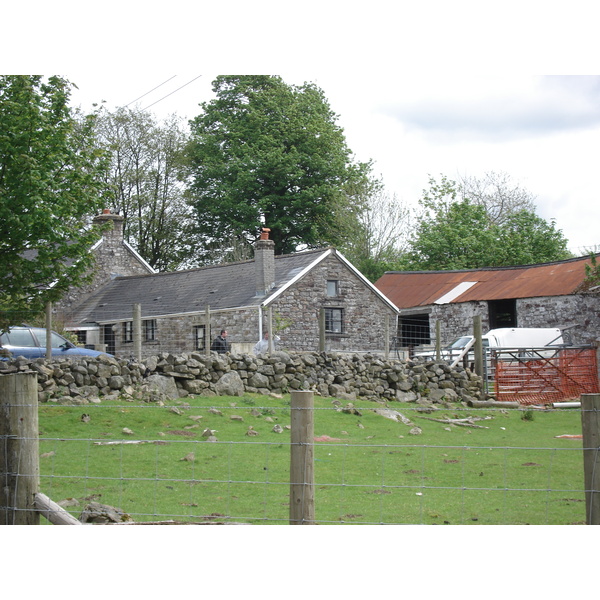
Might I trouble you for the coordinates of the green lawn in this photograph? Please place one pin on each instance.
(512, 470)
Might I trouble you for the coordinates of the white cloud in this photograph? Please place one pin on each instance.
(497, 109)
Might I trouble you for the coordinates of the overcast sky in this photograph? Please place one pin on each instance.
(543, 131)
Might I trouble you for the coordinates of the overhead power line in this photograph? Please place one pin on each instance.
(170, 94)
(155, 88)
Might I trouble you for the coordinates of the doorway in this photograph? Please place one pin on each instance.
(503, 313)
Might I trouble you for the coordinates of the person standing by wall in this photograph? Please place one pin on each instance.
(220, 343)
(262, 346)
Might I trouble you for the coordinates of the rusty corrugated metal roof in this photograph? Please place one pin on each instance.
(407, 289)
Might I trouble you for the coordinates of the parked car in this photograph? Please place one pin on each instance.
(514, 338)
(449, 352)
(30, 342)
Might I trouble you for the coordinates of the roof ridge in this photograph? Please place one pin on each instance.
(511, 268)
(220, 265)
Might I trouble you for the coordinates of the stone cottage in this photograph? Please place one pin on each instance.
(181, 310)
(553, 294)
(113, 257)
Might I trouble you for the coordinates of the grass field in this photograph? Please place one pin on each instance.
(509, 469)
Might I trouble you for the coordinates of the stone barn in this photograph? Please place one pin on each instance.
(557, 294)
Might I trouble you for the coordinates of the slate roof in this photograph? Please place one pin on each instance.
(409, 289)
(221, 287)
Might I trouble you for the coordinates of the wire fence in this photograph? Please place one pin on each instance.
(215, 460)
(402, 479)
(390, 498)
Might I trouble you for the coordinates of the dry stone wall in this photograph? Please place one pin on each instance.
(343, 376)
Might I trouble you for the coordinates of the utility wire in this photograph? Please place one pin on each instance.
(143, 95)
(179, 88)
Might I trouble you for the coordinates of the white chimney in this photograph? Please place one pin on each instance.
(264, 263)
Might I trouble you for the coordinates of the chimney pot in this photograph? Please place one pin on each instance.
(264, 235)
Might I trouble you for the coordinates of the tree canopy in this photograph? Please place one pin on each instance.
(145, 182)
(456, 233)
(265, 153)
(50, 182)
(525, 238)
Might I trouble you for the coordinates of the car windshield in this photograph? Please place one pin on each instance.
(461, 342)
(56, 340)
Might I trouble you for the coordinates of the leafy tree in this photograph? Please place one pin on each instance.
(525, 238)
(457, 233)
(146, 184)
(50, 183)
(457, 236)
(592, 273)
(264, 153)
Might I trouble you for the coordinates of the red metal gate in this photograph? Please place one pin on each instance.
(542, 376)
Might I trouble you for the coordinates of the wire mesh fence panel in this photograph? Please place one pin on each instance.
(367, 469)
(414, 334)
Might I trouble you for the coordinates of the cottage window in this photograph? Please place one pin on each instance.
(333, 288)
(128, 331)
(150, 330)
(199, 337)
(334, 320)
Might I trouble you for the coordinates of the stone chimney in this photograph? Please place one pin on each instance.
(113, 235)
(264, 263)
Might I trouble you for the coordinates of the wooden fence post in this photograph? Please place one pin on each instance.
(321, 329)
(137, 331)
(302, 493)
(55, 513)
(386, 344)
(478, 347)
(48, 340)
(271, 344)
(207, 340)
(590, 426)
(19, 449)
